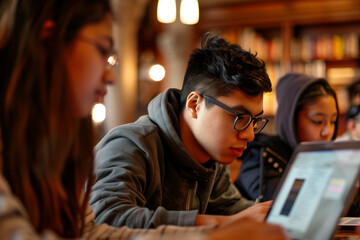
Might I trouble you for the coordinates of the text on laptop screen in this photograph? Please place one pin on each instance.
(314, 192)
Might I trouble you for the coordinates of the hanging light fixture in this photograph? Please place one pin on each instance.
(189, 11)
(99, 112)
(157, 73)
(166, 11)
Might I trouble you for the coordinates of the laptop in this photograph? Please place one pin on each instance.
(316, 189)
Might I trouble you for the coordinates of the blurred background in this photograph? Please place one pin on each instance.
(317, 37)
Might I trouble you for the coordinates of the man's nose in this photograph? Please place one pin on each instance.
(247, 134)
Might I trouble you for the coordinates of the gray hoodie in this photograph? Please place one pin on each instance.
(145, 177)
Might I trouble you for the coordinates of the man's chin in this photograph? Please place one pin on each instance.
(226, 161)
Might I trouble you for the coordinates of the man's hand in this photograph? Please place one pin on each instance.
(257, 212)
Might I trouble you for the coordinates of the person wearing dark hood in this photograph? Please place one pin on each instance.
(307, 111)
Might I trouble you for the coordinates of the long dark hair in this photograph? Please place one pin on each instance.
(47, 151)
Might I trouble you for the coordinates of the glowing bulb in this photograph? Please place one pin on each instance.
(166, 11)
(98, 113)
(157, 72)
(189, 11)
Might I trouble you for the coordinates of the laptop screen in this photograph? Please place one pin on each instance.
(316, 189)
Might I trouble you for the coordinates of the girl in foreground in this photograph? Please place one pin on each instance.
(54, 57)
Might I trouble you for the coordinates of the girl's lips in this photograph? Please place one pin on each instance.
(237, 152)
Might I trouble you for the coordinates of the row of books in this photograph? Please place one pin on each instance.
(339, 79)
(304, 48)
(315, 68)
(268, 49)
(332, 47)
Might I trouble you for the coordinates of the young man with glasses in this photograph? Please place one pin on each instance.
(170, 166)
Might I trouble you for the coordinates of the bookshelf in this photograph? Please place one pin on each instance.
(317, 37)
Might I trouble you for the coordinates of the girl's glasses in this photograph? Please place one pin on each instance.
(110, 56)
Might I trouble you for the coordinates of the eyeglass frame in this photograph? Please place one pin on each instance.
(109, 55)
(237, 114)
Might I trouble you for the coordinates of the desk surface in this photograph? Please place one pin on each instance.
(347, 235)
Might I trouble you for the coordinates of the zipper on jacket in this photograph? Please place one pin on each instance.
(190, 196)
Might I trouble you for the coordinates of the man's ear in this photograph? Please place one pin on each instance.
(47, 29)
(192, 103)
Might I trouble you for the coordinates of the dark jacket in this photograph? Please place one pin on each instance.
(264, 161)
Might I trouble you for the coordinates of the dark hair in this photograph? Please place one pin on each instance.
(310, 95)
(354, 91)
(220, 67)
(47, 150)
(353, 112)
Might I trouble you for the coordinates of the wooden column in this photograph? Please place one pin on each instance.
(121, 99)
(176, 43)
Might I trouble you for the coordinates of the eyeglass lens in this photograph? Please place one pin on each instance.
(244, 120)
(259, 124)
(112, 61)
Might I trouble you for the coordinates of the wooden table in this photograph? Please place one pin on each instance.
(347, 235)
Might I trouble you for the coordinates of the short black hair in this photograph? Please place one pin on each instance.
(354, 90)
(353, 112)
(219, 67)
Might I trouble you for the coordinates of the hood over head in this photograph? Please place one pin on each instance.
(288, 91)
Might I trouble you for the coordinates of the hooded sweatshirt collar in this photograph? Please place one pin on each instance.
(164, 111)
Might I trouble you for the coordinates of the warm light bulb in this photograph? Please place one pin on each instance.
(189, 11)
(157, 72)
(98, 113)
(166, 11)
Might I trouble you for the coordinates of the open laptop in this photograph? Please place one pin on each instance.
(316, 189)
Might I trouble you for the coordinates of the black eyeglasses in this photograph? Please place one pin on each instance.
(242, 120)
